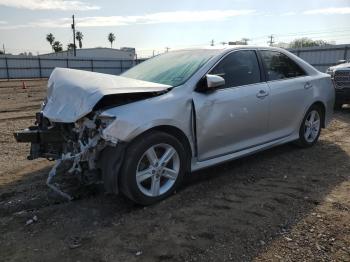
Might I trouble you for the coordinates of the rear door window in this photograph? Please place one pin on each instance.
(279, 66)
(238, 68)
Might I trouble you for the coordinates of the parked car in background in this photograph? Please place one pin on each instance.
(179, 112)
(341, 77)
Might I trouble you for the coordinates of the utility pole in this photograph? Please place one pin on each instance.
(271, 42)
(3, 48)
(212, 42)
(153, 53)
(73, 28)
(167, 49)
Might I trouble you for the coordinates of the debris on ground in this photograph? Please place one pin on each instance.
(74, 242)
(31, 220)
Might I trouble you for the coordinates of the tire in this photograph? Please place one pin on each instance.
(310, 132)
(338, 106)
(143, 178)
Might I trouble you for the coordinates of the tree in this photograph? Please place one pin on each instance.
(321, 43)
(245, 41)
(26, 54)
(111, 38)
(79, 36)
(1, 52)
(70, 46)
(307, 42)
(50, 38)
(57, 46)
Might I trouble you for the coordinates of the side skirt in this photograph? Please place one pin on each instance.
(197, 165)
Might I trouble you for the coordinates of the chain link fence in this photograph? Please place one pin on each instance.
(23, 67)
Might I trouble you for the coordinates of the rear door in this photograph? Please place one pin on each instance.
(234, 117)
(290, 90)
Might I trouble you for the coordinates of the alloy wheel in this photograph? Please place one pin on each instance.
(312, 126)
(157, 170)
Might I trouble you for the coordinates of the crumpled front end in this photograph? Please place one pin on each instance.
(77, 145)
(70, 127)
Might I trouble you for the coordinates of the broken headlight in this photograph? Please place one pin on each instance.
(105, 121)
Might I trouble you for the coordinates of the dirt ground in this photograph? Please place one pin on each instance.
(284, 204)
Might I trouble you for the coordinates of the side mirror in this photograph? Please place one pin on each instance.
(210, 83)
(214, 81)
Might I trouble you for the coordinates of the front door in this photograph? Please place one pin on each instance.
(234, 117)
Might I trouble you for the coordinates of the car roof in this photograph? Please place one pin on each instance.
(220, 51)
(229, 48)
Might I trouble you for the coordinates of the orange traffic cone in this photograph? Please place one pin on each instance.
(24, 86)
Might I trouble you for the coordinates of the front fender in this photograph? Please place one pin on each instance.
(133, 119)
(127, 130)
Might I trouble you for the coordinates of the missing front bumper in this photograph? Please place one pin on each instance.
(36, 135)
(81, 146)
(46, 143)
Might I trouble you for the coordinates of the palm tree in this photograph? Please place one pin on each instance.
(57, 46)
(50, 38)
(70, 46)
(111, 38)
(79, 36)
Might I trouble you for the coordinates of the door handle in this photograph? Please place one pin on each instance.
(307, 85)
(262, 94)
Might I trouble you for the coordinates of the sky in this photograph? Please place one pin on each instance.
(151, 25)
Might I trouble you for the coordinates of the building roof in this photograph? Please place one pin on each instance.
(123, 49)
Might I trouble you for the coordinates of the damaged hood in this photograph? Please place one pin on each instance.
(73, 93)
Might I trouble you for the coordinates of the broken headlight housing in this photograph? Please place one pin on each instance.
(105, 121)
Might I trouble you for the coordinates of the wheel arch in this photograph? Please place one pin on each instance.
(322, 106)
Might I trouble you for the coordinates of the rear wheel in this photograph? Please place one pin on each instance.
(154, 166)
(310, 128)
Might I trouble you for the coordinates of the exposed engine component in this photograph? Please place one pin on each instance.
(77, 145)
(85, 148)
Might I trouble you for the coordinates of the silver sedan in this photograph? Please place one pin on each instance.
(141, 132)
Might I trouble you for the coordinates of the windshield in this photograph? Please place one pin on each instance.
(173, 68)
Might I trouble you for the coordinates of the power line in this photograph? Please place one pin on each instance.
(315, 32)
(347, 29)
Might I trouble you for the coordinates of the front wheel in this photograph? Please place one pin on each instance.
(154, 166)
(310, 128)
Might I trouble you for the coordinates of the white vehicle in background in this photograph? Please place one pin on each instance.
(341, 78)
